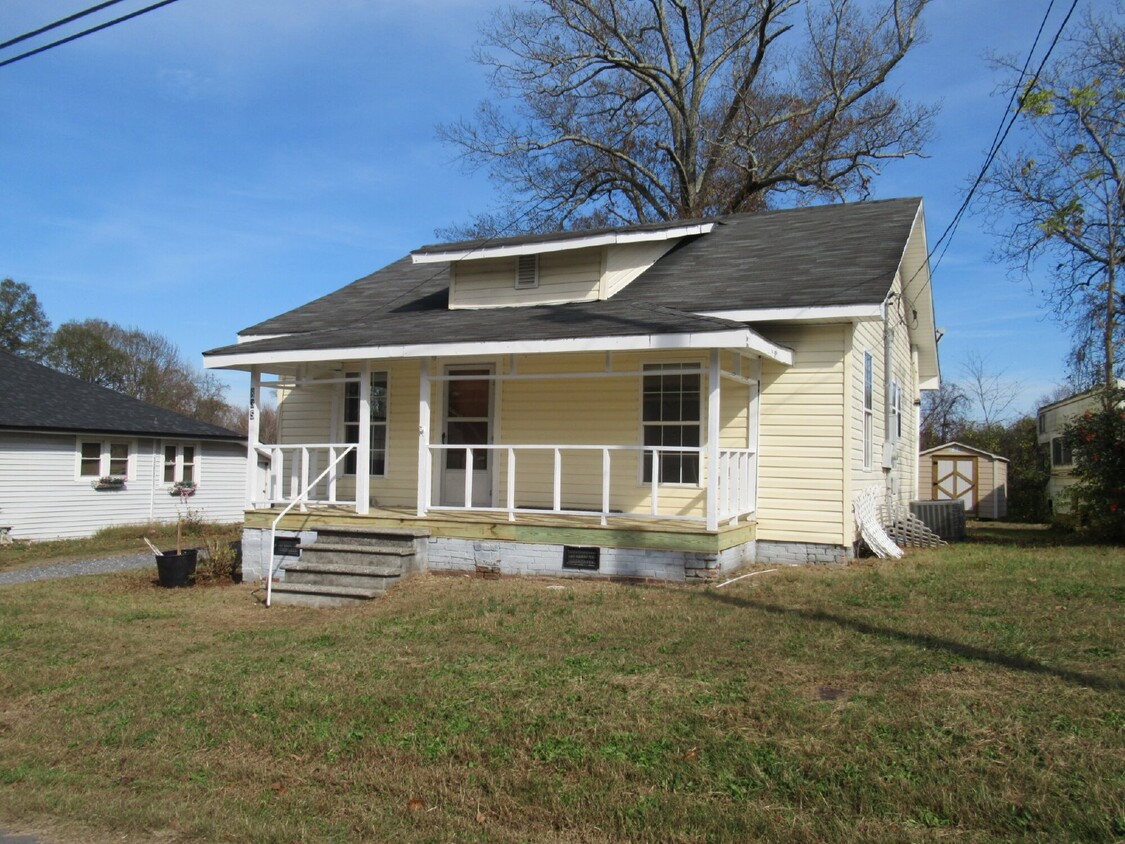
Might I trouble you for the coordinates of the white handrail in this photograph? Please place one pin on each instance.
(290, 506)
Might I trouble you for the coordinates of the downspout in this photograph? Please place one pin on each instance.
(152, 485)
(888, 364)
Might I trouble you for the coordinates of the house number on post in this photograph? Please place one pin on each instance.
(253, 406)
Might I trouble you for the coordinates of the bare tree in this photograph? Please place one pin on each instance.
(990, 391)
(943, 414)
(670, 109)
(1061, 198)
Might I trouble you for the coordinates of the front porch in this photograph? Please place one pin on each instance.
(537, 544)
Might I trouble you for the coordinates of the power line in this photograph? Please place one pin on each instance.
(1002, 130)
(57, 23)
(84, 32)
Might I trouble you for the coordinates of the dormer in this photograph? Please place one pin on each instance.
(553, 269)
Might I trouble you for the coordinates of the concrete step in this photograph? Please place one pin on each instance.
(350, 556)
(382, 548)
(404, 537)
(379, 578)
(311, 595)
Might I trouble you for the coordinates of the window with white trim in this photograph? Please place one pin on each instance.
(868, 409)
(181, 464)
(378, 429)
(671, 418)
(99, 458)
(527, 272)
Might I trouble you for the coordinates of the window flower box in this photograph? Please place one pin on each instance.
(184, 489)
(109, 482)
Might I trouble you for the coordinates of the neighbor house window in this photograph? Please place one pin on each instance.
(671, 419)
(1042, 423)
(1060, 452)
(527, 272)
(868, 408)
(180, 464)
(97, 458)
(378, 429)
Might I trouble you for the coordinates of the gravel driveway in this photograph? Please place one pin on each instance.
(124, 562)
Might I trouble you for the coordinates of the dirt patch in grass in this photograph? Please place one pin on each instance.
(970, 706)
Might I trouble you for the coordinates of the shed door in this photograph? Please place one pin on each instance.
(955, 478)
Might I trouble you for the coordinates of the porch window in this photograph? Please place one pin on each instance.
(378, 430)
(868, 408)
(895, 426)
(98, 457)
(671, 409)
(180, 464)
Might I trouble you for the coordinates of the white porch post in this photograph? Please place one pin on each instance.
(363, 447)
(754, 419)
(713, 410)
(423, 436)
(253, 426)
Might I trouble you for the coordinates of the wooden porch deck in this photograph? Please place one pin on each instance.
(545, 528)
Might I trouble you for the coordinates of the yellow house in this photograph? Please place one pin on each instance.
(667, 400)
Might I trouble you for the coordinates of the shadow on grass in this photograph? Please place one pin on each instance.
(1029, 536)
(921, 640)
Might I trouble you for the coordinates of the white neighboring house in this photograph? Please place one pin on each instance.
(1053, 418)
(76, 458)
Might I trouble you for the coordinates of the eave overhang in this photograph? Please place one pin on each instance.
(742, 339)
(439, 254)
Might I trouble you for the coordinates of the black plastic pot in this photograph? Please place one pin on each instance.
(176, 569)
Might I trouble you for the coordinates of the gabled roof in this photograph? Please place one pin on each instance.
(962, 447)
(837, 256)
(39, 398)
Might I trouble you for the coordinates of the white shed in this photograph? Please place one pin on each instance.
(978, 478)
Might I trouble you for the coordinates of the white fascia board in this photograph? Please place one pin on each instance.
(253, 338)
(931, 383)
(819, 313)
(734, 338)
(536, 248)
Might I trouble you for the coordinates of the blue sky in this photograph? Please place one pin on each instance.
(214, 163)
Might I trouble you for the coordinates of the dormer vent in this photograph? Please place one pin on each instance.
(527, 272)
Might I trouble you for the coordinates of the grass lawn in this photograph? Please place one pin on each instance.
(969, 694)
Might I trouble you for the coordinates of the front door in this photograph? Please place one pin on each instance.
(468, 421)
(955, 478)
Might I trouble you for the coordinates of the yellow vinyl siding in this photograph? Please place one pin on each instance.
(573, 276)
(801, 462)
(868, 336)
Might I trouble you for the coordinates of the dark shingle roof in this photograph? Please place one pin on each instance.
(39, 398)
(542, 322)
(819, 256)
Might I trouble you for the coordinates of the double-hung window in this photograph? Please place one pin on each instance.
(895, 427)
(181, 464)
(99, 458)
(671, 420)
(868, 408)
(378, 428)
(1061, 453)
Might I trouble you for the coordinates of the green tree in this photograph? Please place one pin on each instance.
(611, 111)
(1097, 441)
(24, 328)
(144, 365)
(1060, 199)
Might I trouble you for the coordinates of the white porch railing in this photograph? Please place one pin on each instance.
(292, 466)
(736, 481)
